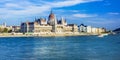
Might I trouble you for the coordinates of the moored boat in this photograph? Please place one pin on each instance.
(102, 35)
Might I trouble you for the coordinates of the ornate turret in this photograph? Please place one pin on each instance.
(63, 21)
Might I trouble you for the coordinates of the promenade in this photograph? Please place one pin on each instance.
(44, 34)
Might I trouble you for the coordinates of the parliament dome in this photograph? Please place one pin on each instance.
(51, 16)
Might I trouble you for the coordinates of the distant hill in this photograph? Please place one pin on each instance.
(116, 30)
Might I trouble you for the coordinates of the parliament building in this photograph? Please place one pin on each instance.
(42, 25)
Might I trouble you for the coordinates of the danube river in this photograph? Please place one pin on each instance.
(60, 48)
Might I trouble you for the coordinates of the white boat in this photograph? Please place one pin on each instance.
(102, 35)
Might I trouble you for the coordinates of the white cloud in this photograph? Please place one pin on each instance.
(113, 13)
(84, 15)
(22, 8)
(101, 22)
(70, 3)
(28, 7)
(107, 3)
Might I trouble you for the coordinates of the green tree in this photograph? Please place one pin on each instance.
(0, 30)
(5, 30)
(9, 31)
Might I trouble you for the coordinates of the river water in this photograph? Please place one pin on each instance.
(60, 48)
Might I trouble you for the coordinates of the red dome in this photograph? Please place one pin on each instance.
(51, 16)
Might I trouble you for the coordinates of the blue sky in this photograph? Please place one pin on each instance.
(97, 13)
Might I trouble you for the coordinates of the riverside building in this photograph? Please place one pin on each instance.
(89, 29)
(52, 25)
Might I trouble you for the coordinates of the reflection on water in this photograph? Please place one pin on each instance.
(60, 48)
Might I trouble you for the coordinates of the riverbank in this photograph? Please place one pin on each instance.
(44, 34)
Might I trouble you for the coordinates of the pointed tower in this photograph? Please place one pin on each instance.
(63, 21)
(54, 27)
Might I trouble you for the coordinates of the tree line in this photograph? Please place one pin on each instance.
(5, 30)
